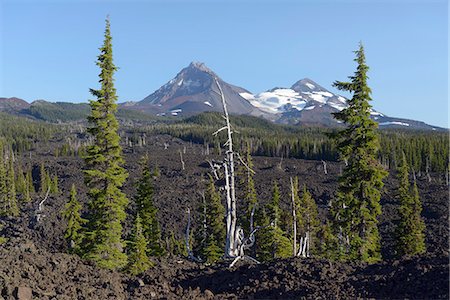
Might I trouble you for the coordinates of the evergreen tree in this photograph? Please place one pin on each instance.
(45, 180)
(175, 247)
(12, 207)
(4, 209)
(8, 197)
(104, 174)
(357, 205)
(147, 210)
(326, 242)
(138, 260)
(308, 220)
(30, 187)
(274, 212)
(410, 231)
(54, 185)
(21, 184)
(72, 215)
(272, 241)
(211, 234)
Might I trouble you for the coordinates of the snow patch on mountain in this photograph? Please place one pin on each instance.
(393, 123)
(310, 85)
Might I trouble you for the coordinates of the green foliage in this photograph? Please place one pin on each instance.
(327, 242)
(357, 204)
(8, 197)
(271, 241)
(309, 143)
(175, 247)
(274, 212)
(54, 185)
(3, 240)
(21, 133)
(72, 215)
(45, 180)
(410, 231)
(308, 219)
(147, 210)
(138, 260)
(210, 237)
(104, 174)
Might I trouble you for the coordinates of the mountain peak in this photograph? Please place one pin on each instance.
(307, 85)
(200, 66)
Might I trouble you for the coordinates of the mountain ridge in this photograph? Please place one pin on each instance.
(193, 90)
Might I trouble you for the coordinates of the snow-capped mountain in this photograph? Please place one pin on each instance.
(304, 102)
(192, 91)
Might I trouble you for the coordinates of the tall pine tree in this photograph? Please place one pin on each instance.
(357, 205)
(410, 231)
(104, 174)
(147, 210)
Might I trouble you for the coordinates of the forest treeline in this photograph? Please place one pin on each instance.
(425, 150)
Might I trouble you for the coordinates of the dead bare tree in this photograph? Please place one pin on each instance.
(190, 254)
(324, 164)
(246, 243)
(235, 243)
(40, 209)
(182, 161)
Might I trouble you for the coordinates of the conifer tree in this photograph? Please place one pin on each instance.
(272, 241)
(21, 184)
(147, 210)
(410, 231)
(8, 198)
(54, 185)
(175, 247)
(357, 204)
(30, 187)
(308, 220)
(138, 260)
(104, 174)
(274, 207)
(45, 180)
(3, 187)
(211, 234)
(12, 207)
(72, 215)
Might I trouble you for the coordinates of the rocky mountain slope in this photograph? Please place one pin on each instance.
(193, 91)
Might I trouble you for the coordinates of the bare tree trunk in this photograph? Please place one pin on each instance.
(182, 161)
(427, 169)
(294, 216)
(40, 210)
(230, 248)
(324, 167)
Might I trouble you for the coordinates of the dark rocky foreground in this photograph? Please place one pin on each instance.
(33, 259)
(62, 276)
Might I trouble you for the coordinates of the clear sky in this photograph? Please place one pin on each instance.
(48, 48)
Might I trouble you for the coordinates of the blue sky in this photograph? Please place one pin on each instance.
(48, 48)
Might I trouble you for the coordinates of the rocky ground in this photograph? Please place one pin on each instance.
(33, 259)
